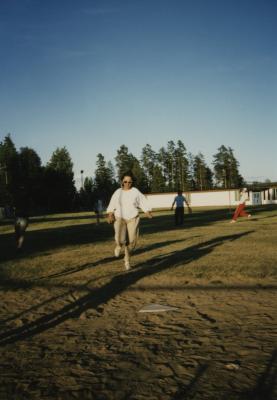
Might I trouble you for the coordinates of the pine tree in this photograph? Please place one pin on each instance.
(9, 171)
(104, 182)
(191, 181)
(149, 160)
(124, 161)
(226, 168)
(59, 182)
(31, 175)
(202, 173)
(166, 158)
(140, 177)
(61, 161)
(181, 181)
(158, 183)
(171, 165)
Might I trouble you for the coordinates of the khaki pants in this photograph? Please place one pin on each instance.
(126, 232)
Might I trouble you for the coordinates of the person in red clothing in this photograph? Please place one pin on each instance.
(240, 210)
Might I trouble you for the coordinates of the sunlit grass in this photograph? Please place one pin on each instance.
(71, 250)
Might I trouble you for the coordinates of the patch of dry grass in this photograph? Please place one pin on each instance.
(71, 250)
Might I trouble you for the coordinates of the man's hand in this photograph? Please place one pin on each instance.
(111, 218)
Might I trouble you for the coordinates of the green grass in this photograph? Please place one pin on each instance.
(70, 250)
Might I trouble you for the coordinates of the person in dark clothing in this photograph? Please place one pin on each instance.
(180, 199)
(21, 221)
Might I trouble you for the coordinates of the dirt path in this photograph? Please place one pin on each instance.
(92, 343)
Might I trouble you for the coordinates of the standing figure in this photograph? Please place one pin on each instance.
(98, 210)
(240, 210)
(123, 212)
(21, 221)
(180, 199)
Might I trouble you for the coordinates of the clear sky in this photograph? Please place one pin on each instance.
(93, 75)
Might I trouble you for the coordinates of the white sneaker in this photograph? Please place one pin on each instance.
(127, 264)
(117, 251)
(233, 221)
(249, 216)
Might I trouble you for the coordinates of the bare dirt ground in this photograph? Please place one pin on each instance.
(96, 345)
(74, 331)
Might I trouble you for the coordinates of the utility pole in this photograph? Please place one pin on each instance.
(82, 179)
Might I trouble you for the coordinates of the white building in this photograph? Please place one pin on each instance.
(214, 198)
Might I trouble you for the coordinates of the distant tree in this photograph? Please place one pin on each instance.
(235, 179)
(88, 185)
(181, 179)
(226, 168)
(31, 175)
(149, 161)
(86, 196)
(209, 178)
(171, 165)
(9, 170)
(166, 158)
(202, 174)
(104, 182)
(174, 164)
(124, 161)
(59, 182)
(140, 177)
(61, 161)
(191, 181)
(158, 182)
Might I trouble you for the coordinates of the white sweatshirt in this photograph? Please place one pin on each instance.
(243, 197)
(125, 203)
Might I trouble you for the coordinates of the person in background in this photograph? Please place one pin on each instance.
(180, 199)
(240, 210)
(21, 213)
(123, 212)
(98, 210)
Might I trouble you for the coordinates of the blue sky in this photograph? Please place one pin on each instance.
(93, 75)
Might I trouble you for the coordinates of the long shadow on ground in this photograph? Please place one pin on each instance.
(117, 285)
(47, 240)
(14, 284)
(266, 384)
(110, 259)
(265, 388)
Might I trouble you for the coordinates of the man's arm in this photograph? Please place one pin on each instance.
(173, 203)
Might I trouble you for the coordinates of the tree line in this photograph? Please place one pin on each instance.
(51, 187)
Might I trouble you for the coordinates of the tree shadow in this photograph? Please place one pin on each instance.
(187, 390)
(114, 287)
(48, 239)
(107, 260)
(20, 285)
(72, 217)
(45, 240)
(266, 386)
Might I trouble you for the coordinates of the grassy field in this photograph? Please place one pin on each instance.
(207, 248)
